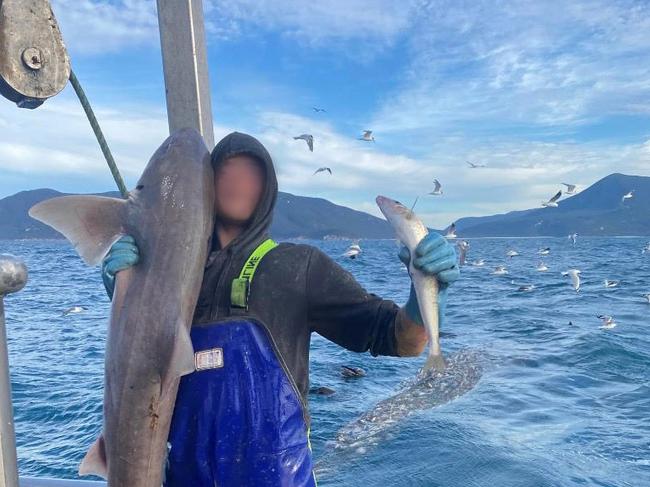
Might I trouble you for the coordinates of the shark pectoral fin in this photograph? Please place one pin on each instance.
(183, 356)
(182, 359)
(94, 463)
(90, 223)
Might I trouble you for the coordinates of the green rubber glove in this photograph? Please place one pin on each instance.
(123, 254)
(436, 257)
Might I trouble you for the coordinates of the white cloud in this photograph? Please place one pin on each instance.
(476, 75)
(522, 62)
(91, 26)
(55, 142)
(317, 23)
(97, 27)
(519, 174)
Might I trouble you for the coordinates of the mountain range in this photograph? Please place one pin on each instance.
(295, 217)
(597, 210)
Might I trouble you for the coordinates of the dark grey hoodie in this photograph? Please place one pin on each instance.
(297, 288)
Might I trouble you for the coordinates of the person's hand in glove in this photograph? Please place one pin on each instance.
(123, 254)
(436, 257)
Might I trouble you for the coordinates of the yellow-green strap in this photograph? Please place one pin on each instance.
(240, 288)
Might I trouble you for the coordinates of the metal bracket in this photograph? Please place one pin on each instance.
(34, 64)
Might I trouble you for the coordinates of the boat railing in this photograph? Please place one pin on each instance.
(13, 277)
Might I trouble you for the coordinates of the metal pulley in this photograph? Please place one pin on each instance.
(34, 63)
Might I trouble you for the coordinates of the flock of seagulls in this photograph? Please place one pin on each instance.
(366, 135)
(354, 250)
(553, 202)
(573, 274)
(571, 189)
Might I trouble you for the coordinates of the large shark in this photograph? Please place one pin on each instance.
(462, 372)
(170, 215)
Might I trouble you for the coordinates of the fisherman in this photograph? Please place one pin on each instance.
(241, 417)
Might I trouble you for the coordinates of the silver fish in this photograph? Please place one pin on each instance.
(170, 215)
(410, 231)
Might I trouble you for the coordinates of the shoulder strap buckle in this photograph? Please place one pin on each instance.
(241, 286)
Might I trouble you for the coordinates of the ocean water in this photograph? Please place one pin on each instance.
(559, 402)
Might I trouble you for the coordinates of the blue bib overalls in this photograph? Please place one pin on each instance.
(239, 419)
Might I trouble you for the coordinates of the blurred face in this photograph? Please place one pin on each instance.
(239, 182)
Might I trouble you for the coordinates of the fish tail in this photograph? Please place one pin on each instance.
(435, 362)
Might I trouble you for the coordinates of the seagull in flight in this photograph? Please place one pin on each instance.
(544, 251)
(478, 263)
(317, 110)
(627, 196)
(609, 283)
(367, 136)
(647, 297)
(307, 138)
(608, 321)
(512, 253)
(526, 287)
(552, 203)
(541, 267)
(451, 231)
(573, 237)
(646, 249)
(437, 190)
(570, 188)
(473, 165)
(322, 169)
(575, 278)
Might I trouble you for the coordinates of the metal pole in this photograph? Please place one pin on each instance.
(185, 65)
(13, 276)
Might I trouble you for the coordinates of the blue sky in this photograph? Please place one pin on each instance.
(541, 92)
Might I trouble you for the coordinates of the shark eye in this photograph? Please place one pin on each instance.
(139, 186)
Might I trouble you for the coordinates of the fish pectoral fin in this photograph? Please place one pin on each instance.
(94, 463)
(90, 223)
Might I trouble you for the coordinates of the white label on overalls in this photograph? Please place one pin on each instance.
(208, 359)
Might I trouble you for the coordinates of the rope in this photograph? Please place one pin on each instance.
(98, 133)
